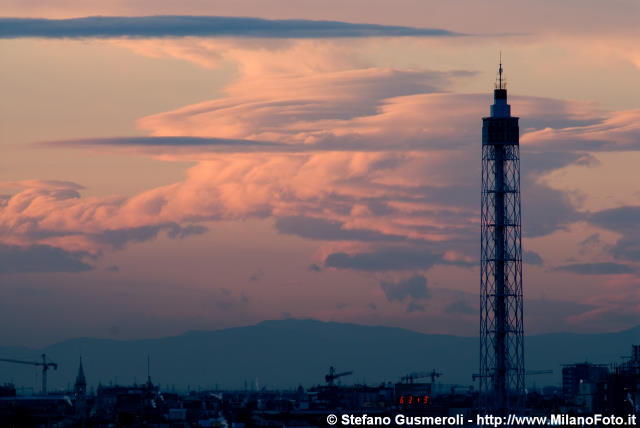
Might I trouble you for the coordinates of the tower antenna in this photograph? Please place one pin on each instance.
(500, 71)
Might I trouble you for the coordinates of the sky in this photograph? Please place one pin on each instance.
(172, 166)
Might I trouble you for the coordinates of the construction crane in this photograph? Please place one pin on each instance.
(332, 376)
(44, 364)
(537, 372)
(433, 374)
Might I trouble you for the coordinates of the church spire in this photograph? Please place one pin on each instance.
(81, 381)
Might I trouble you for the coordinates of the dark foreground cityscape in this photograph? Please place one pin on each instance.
(588, 389)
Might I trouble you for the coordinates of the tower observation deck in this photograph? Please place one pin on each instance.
(501, 330)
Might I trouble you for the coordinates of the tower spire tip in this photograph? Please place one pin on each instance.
(500, 83)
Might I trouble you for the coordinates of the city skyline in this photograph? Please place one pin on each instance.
(156, 180)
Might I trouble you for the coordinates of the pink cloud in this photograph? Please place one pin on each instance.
(311, 109)
(618, 131)
(357, 137)
(619, 303)
(229, 187)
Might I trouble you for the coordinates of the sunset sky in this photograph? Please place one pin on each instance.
(224, 165)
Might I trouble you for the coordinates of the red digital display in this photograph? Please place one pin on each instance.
(414, 400)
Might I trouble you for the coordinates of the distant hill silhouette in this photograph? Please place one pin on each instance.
(292, 352)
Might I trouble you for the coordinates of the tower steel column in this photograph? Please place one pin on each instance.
(501, 330)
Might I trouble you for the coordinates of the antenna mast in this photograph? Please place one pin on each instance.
(500, 71)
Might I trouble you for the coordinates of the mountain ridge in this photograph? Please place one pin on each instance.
(291, 352)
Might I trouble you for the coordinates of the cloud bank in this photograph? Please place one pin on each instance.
(202, 26)
(40, 259)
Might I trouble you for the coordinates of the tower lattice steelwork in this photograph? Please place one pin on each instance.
(501, 330)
